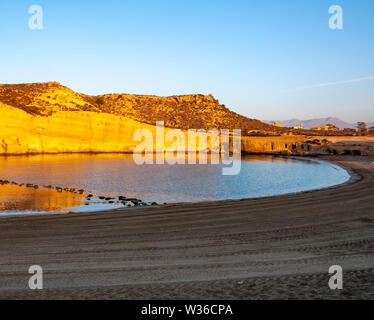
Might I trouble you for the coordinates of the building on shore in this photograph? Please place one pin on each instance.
(298, 127)
(327, 127)
(276, 124)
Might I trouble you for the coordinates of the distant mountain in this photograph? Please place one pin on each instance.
(308, 124)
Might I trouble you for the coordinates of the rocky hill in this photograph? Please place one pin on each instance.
(184, 112)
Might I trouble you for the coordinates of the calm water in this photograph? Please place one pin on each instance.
(114, 175)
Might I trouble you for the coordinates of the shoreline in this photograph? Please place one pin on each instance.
(264, 248)
(87, 195)
(288, 145)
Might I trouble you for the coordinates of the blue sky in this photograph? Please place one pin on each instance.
(264, 59)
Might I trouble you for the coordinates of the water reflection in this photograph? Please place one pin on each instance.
(117, 174)
(15, 198)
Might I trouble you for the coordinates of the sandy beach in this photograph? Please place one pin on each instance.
(268, 248)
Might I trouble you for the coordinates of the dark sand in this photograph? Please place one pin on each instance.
(268, 248)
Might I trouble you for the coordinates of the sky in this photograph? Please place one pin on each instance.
(265, 59)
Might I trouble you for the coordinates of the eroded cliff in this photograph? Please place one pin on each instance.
(50, 118)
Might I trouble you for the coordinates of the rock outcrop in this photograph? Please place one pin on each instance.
(183, 112)
(50, 118)
(65, 131)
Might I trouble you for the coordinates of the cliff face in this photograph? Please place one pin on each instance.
(50, 118)
(86, 131)
(64, 131)
(67, 131)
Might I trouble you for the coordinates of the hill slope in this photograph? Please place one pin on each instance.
(184, 112)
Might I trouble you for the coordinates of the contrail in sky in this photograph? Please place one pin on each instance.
(327, 84)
